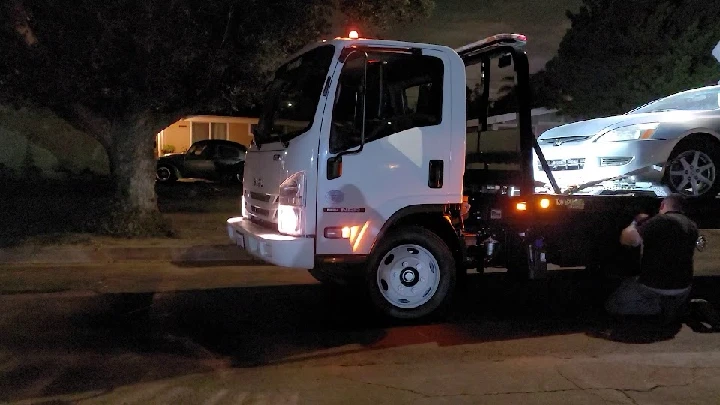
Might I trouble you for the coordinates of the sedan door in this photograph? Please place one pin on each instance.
(199, 161)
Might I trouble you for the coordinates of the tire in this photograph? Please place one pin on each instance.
(165, 174)
(700, 155)
(411, 274)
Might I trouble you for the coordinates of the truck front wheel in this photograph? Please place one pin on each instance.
(411, 274)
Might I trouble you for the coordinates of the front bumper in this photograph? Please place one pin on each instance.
(644, 160)
(280, 250)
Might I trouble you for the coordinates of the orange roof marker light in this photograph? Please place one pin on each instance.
(353, 35)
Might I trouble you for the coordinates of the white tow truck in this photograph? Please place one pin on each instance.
(362, 160)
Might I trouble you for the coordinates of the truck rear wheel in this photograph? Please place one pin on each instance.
(411, 274)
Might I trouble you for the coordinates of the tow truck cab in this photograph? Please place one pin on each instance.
(359, 157)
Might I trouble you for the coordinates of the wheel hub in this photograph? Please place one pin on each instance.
(409, 276)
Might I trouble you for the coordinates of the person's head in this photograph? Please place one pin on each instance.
(673, 202)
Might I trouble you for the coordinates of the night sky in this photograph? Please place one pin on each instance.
(458, 22)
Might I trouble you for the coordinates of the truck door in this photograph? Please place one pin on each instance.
(499, 129)
(401, 101)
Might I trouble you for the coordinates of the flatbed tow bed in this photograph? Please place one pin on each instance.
(574, 230)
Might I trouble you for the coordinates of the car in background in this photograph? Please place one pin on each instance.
(210, 159)
(672, 143)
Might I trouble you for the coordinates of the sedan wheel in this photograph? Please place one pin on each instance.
(692, 173)
(165, 174)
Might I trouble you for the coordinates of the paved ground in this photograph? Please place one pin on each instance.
(263, 335)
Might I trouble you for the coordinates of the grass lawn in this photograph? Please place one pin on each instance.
(67, 212)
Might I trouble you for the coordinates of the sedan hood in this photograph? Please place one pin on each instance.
(589, 128)
(581, 128)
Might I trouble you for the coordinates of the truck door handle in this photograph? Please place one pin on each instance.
(435, 174)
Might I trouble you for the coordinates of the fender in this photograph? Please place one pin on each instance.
(431, 216)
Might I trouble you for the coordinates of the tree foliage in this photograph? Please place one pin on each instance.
(619, 54)
(506, 100)
(121, 70)
(120, 57)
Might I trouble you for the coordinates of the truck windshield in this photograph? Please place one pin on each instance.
(291, 99)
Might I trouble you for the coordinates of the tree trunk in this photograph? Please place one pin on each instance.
(132, 167)
(134, 211)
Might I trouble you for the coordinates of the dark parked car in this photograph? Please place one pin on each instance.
(211, 159)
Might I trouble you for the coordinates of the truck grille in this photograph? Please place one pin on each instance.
(262, 208)
(260, 196)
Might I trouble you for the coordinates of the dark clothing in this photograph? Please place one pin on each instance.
(634, 298)
(669, 242)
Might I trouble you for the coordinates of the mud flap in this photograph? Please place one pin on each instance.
(529, 263)
(537, 263)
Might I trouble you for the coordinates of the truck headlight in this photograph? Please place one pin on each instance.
(629, 133)
(291, 205)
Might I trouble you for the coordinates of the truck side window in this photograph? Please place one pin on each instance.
(404, 91)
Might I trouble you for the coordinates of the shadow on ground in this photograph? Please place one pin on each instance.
(97, 343)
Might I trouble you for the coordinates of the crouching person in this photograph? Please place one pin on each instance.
(667, 242)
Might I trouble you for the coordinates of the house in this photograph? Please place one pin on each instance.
(180, 135)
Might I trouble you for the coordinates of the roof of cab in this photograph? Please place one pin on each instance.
(511, 39)
(385, 43)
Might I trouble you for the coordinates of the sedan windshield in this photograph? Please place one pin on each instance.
(706, 98)
(291, 99)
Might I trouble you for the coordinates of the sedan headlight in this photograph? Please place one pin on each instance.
(629, 133)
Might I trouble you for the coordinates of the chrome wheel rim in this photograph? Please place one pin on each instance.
(692, 173)
(408, 276)
(163, 174)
